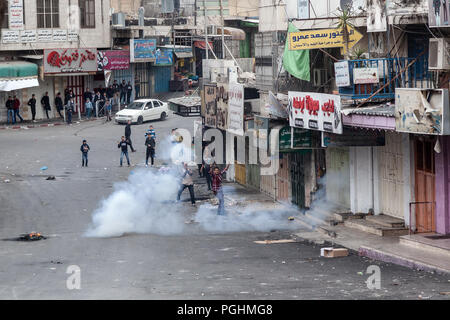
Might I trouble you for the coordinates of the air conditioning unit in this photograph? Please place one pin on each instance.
(320, 77)
(439, 54)
(118, 19)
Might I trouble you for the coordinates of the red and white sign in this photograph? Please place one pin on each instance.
(70, 60)
(315, 111)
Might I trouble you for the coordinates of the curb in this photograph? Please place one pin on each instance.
(42, 125)
(376, 254)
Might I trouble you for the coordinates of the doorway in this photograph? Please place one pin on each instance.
(425, 176)
(76, 84)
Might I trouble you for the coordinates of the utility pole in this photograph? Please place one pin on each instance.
(206, 30)
(223, 24)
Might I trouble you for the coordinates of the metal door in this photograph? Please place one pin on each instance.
(297, 167)
(162, 78)
(283, 179)
(338, 176)
(425, 185)
(391, 176)
(76, 84)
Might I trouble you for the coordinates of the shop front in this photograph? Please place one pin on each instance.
(15, 78)
(71, 69)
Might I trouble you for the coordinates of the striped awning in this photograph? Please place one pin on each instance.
(15, 75)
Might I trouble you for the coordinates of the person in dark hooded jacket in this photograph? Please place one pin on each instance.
(45, 102)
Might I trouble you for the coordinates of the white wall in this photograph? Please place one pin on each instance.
(98, 37)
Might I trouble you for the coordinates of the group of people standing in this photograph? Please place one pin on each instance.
(119, 93)
(12, 106)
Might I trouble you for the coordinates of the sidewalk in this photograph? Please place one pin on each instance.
(387, 249)
(28, 124)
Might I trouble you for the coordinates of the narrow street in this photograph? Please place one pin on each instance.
(195, 263)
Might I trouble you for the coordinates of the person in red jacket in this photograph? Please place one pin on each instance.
(16, 109)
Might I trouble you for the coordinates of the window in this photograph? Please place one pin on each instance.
(87, 13)
(4, 18)
(47, 13)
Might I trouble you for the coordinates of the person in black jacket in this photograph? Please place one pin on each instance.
(45, 102)
(123, 145)
(84, 153)
(32, 104)
(150, 143)
(10, 108)
(59, 104)
(128, 135)
(123, 92)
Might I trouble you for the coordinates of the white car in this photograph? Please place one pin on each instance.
(143, 110)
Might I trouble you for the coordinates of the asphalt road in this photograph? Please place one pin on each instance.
(193, 265)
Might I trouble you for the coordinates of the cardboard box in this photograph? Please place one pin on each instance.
(333, 253)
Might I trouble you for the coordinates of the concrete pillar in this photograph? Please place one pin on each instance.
(442, 164)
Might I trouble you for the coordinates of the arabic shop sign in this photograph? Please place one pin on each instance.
(302, 139)
(315, 111)
(143, 50)
(322, 38)
(70, 60)
(353, 137)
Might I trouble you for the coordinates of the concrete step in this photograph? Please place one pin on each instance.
(375, 228)
(386, 221)
(342, 216)
(425, 244)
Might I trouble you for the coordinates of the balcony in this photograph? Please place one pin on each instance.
(373, 74)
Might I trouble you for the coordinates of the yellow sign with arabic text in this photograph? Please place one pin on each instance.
(322, 38)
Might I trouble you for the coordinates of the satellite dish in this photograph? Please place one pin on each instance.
(346, 4)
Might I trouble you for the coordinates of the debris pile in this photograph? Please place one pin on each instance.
(32, 236)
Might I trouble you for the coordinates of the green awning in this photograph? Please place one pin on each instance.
(18, 69)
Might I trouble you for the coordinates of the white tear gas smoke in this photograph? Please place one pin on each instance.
(139, 205)
(251, 218)
(144, 204)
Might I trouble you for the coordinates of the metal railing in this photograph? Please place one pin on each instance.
(416, 76)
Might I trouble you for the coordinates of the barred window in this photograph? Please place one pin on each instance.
(87, 13)
(47, 13)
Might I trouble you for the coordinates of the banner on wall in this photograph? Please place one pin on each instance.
(142, 50)
(210, 101)
(164, 57)
(113, 60)
(236, 109)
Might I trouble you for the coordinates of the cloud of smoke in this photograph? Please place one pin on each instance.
(139, 205)
(250, 218)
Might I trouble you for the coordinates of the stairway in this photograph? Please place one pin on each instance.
(381, 225)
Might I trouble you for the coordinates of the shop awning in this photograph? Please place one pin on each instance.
(15, 75)
(16, 84)
(182, 55)
(235, 33)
